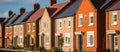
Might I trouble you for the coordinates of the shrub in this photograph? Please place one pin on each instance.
(10, 47)
(17, 47)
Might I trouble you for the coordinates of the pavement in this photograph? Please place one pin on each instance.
(14, 50)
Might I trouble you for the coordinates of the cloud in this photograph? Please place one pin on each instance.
(5, 14)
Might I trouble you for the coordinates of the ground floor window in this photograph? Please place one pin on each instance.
(47, 39)
(90, 38)
(67, 39)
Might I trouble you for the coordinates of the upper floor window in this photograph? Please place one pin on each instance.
(114, 18)
(21, 29)
(29, 27)
(91, 19)
(80, 21)
(69, 23)
(90, 38)
(60, 24)
(33, 27)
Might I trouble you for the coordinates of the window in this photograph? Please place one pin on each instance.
(21, 29)
(10, 29)
(47, 39)
(116, 40)
(29, 27)
(80, 20)
(90, 38)
(91, 19)
(114, 18)
(19, 40)
(32, 40)
(33, 27)
(60, 24)
(69, 23)
(67, 39)
(42, 25)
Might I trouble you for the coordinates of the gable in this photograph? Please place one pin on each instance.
(86, 6)
(45, 16)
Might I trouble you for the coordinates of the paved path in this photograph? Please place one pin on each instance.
(13, 50)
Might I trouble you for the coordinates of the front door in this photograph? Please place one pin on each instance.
(114, 43)
(42, 41)
(80, 43)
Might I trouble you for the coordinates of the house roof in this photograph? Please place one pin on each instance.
(2, 19)
(10, 21)
(36, 15)
(98, 3)
(7, 19)
(114, 6)
(70, 10)
(58, 7)
(22, 18)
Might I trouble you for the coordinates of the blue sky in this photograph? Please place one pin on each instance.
(14, 5)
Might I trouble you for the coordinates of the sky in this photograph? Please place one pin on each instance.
(14, 5)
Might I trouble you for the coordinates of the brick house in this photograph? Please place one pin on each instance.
(46, 24)
(1, 31)
(90, 25)
(18, 25)
(9, 31)
(112, 27)
(65, 26)
(32, 27)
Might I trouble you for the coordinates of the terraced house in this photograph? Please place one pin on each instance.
(112, 27)
(9, 31)
(19, 32)
(32, 27)
(65, 27)
(1, 31)
(90, 25)
(46, 24)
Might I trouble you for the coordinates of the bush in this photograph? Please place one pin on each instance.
(10, 47)
(29, 48)
(17, 47)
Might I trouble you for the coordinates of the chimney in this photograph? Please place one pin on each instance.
(52, 2)
(71, 1)
(36, 6)
(10, 13)
(22, 10)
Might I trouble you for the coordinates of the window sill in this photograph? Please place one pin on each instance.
(90, 45)
(66, 44)
(114, 24)
(91, 24)
(69, 27)
(80, 25)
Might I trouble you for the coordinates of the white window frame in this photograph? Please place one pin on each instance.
(80, 23)
(10, 30)
(60, 21)
(89, 33)
(29, 27)
(47, 39)
(15, 29)
(67, 35)
(33, 27)
(91, 14)
(69, 20)
(21, 29)
(114, 22)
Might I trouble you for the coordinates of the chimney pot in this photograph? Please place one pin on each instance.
(52, 2)
(36, 6)
(22, 10)
(10, 13)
